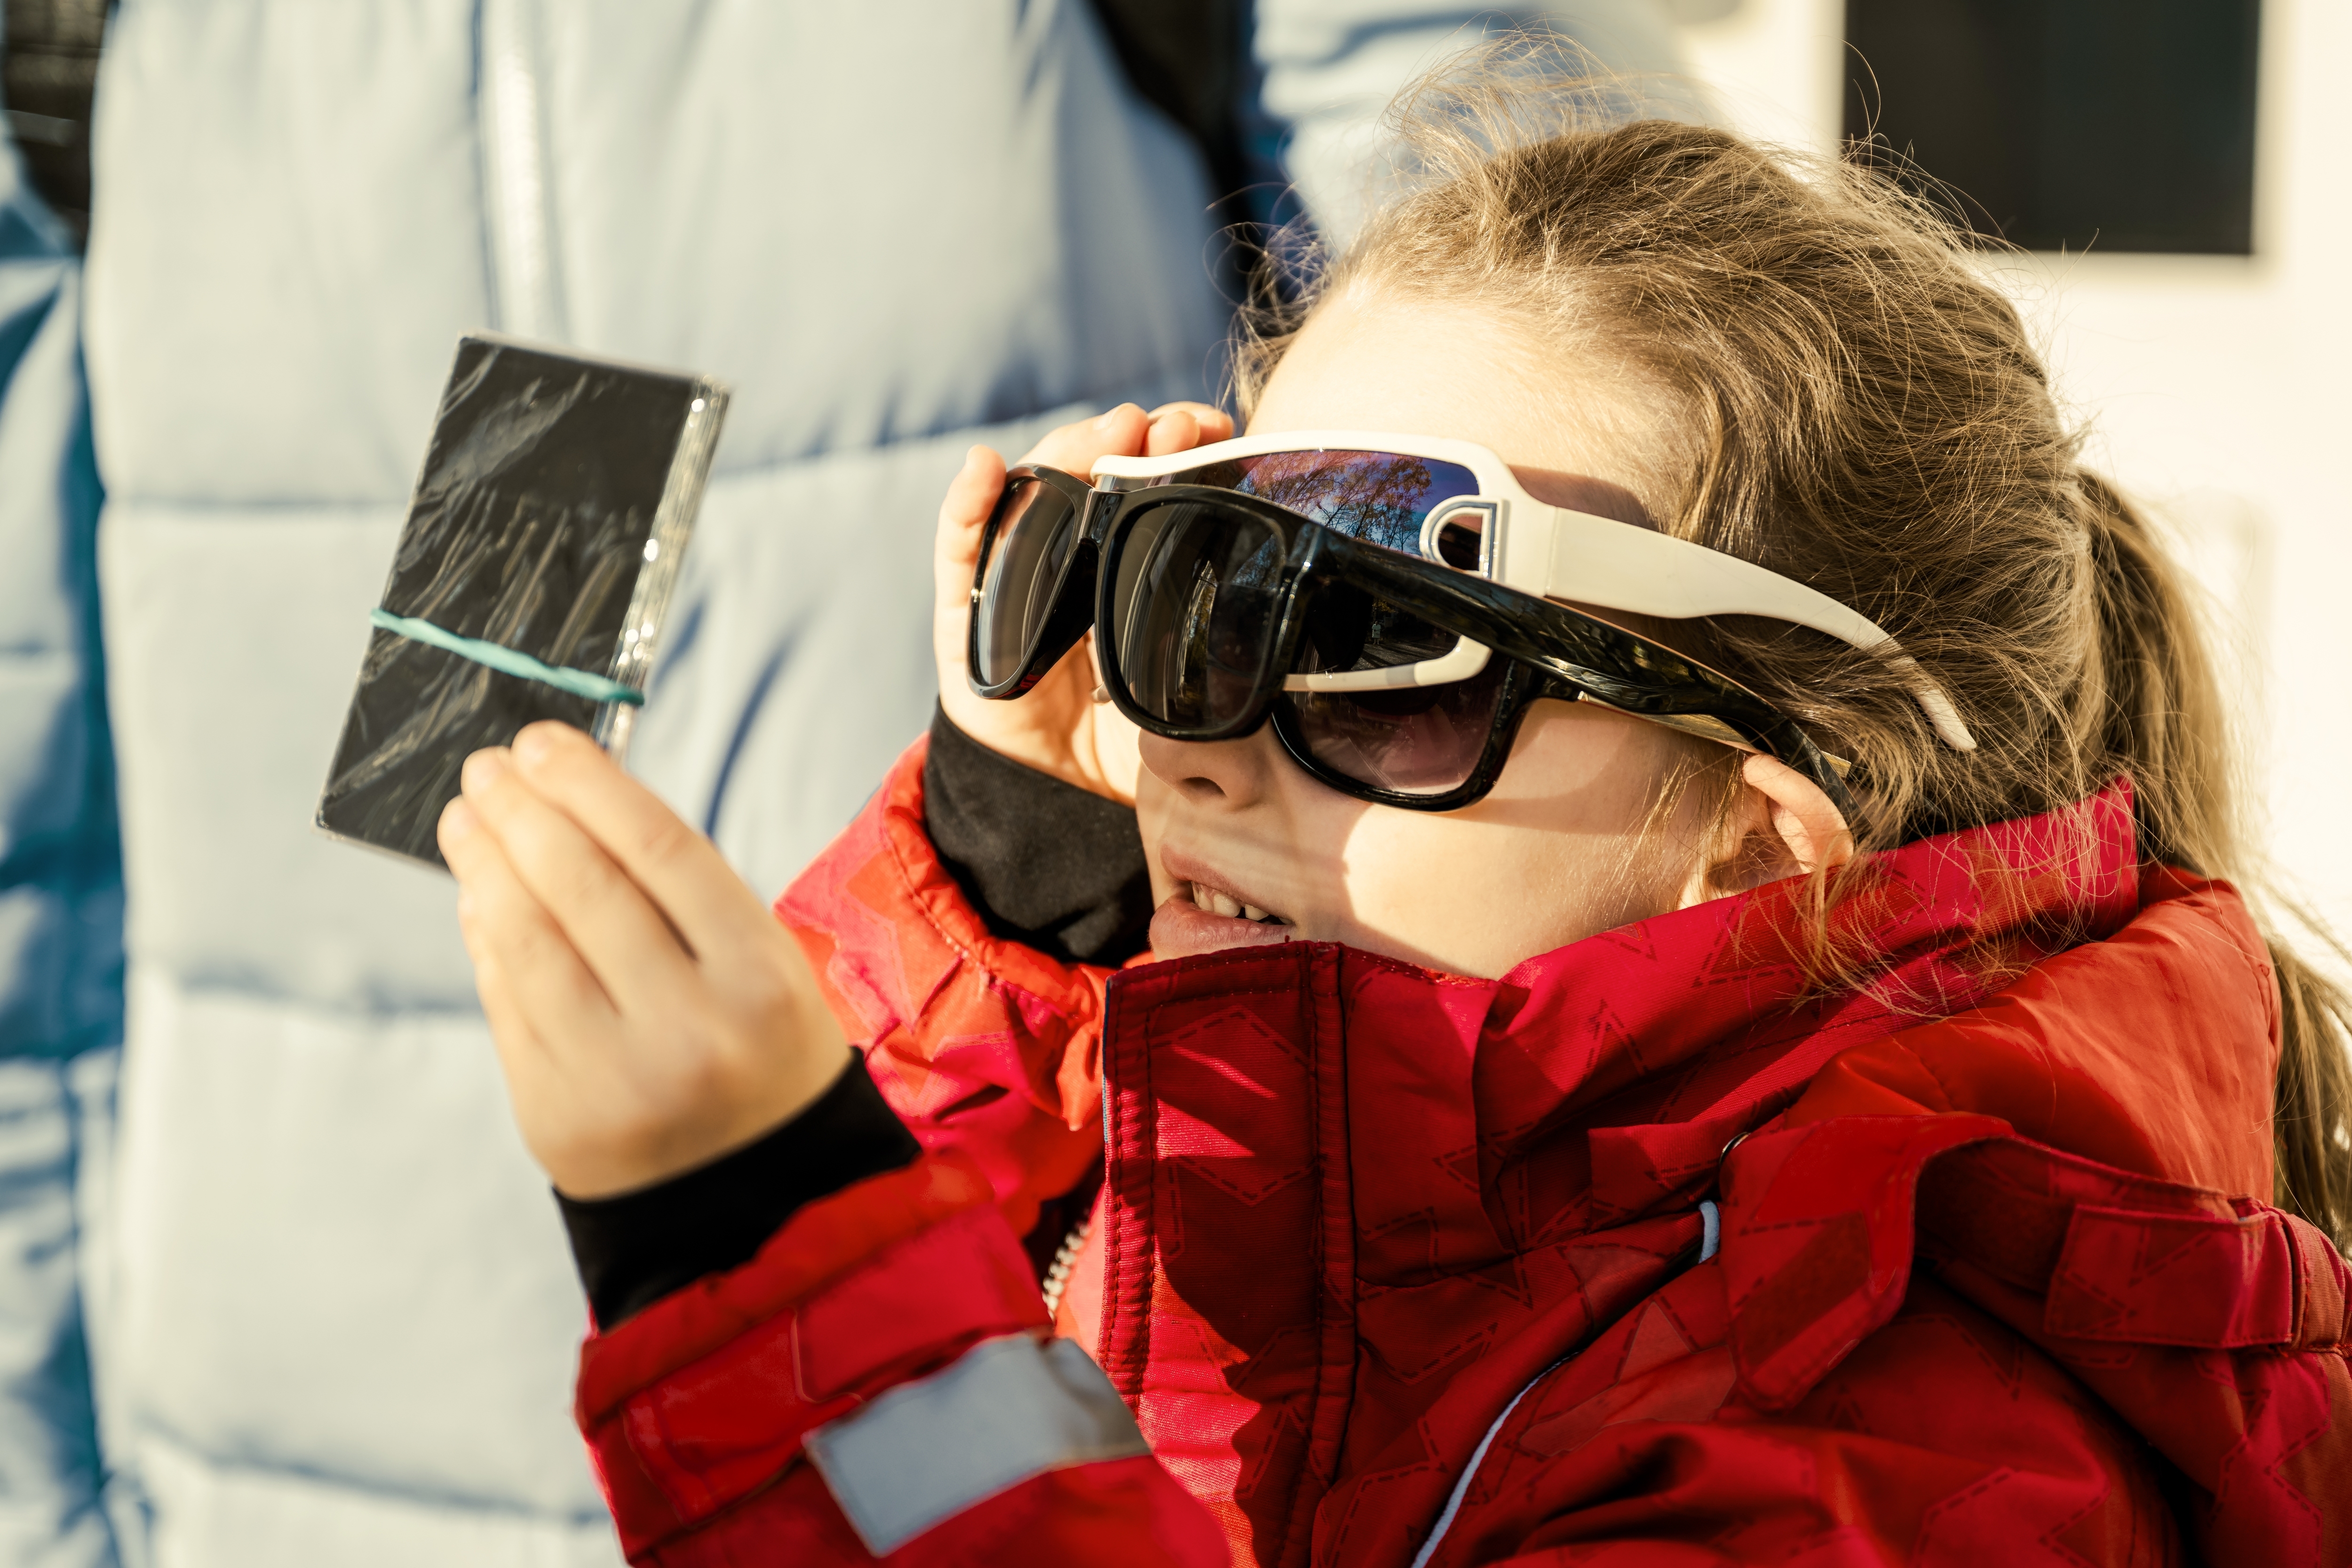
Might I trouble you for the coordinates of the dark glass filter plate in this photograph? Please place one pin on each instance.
(556, 497)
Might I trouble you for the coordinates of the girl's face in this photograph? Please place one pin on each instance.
(1558, 851)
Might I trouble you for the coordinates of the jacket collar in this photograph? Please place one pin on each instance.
(1334, 1181)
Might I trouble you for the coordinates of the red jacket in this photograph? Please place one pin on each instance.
(1676, 1263)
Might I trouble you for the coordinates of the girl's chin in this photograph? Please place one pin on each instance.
(1180, 928)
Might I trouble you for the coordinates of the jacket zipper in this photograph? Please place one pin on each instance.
(1057, 1273)
(527, 297)
(1709, 1242)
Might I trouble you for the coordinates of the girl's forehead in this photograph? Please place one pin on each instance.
(1415, 367)
(1459, 369)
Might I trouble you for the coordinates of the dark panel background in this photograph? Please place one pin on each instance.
(2119, 125)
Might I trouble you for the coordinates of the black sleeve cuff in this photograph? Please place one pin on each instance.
(1046, 863)
(633, 1249)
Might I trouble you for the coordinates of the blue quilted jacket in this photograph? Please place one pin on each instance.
(277, 1284)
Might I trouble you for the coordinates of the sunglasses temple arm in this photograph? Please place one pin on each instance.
(1598, 560)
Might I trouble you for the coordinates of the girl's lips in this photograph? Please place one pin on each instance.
(1180, 928)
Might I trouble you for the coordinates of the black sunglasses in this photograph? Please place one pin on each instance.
(1215, 610)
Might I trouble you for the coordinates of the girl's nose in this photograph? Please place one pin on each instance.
(1216, 773)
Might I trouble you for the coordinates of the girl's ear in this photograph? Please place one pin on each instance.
(1783, 825)
(1812, 832)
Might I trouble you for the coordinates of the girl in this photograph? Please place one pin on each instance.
(1689, 1014)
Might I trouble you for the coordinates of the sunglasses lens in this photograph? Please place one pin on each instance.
(1195, 609)
(1035, 529)
(1412, 741)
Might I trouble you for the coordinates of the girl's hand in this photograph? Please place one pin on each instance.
(1056, 727)
(650, 1013)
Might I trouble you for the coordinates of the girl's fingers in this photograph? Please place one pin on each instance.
(521, 1052)
(1171, 430)
(1074, 448)
(1128, 431)
(1181, 427)
(625, 941)
(540, 978)
(1215, 423)
(678, 873)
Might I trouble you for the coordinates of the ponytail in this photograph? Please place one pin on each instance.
(2156, 711)
(2311, 1117)
(2163, 723)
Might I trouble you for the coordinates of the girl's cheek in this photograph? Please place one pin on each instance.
(1151, 796)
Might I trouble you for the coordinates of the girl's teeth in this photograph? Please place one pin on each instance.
(1224, 903)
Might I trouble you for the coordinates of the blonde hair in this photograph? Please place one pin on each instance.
(1860, 411)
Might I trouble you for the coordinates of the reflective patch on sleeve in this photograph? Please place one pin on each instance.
(1008, 1409)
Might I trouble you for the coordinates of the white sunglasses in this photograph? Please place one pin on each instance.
(1458, 503)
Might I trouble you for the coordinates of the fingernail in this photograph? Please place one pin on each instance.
(456, 819)
(533, 745)
(486, 768)
(1105, 421)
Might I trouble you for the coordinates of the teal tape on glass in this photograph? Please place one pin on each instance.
(506, 661)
